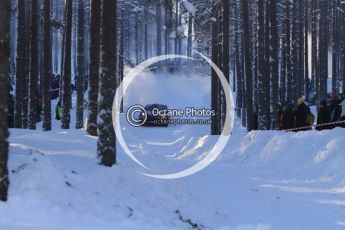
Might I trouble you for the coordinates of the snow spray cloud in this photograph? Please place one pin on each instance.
(217, 148)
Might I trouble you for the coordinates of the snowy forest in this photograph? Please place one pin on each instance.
(61, 62)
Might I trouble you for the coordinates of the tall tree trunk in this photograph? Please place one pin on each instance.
(80, 66)
(314, 55)
(248, 68)
(94, 66)
(323, 51)
(159, 28)
(106, 148)
(26, 68)
(168, 25)
(289, 96)
(225, 57)
(226, 39)
(176, 26)
(238, 54)
(47, 67)
(146, 38)
(274, 63)
(122, 53)
(267, 70)
(66, 94)
(335, 47)
(343, 41)
(41, 46)
(282, 85)
(215, 128)
(300, 26)
(306, 49)
(190, 38)
(34, 68)
(263, 80)
(294, 53)
(20, 71)
(4, 92)
(137, 49)
(63, 43)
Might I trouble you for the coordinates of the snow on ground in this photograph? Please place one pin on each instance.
(261, 181)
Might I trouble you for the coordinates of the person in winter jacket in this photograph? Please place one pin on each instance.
(301, 114)
(287, 118)
(323, 116)
(58, 111)
(335, 109)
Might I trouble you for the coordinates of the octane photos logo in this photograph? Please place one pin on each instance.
(134, 120)
(215, 150)
(138, 115)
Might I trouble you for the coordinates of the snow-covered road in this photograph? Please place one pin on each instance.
(262, 180)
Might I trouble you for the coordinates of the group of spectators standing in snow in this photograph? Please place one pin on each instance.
(54, 94)
(300, 118)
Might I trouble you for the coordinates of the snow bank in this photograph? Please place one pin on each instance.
(262, 180)
(303, 154)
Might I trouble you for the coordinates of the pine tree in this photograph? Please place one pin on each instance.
(306, 49)
(267, 66)
(94, 67)
(343, 41)
(288, 52)
(314, 56)
(225, 58)
(106, 148)
(26, 68)
(215, 124)
(146, 33)
(300, 62)
(248, 68)
(33, 85)
(263, 79)
(239, 64)
(137, 38)
(47, 52)
(190, 38)
(66, 94)
(294, 52)
(176, 27)
(159, 28)
(282, 79)
(122, 54)
(323, 52)
(335, 46)
(274, 63)
(80, 67)
(20, 66)
(4, 92)
(168, 25)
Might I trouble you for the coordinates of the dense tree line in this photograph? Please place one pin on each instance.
(289, 58)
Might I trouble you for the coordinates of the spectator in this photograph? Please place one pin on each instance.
(323, 116)
(303, 116)
(335, 109)
(287, 118)
(58, 111)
